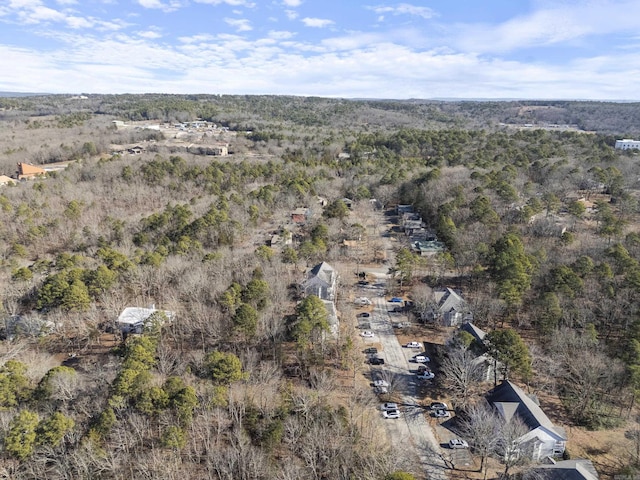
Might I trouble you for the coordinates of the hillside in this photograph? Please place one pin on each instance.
(213, 209)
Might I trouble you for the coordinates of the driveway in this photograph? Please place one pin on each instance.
(411, 433)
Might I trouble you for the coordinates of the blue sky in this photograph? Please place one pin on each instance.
(532, 49)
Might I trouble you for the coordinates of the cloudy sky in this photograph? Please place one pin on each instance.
(546, 49)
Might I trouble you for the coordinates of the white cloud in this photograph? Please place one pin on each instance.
(280, 34)
(78, 22)
(391, 63)
(197, 38)
(317, 22)
(291, 14)
(150, 34)
(405, 9)
(171, 6)
(240, 24)
(233, 3)
(292, 3)
(554, 23)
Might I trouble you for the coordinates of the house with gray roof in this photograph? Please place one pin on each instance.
(544, 439)
(476, 332)
(449, 308)
(321, 281)
(578, 469)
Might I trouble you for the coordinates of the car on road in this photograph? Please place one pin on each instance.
(373, 350)
(426, 375)
(380, 390)
(399, 325)
(412, 345)
(376, 361)
(458, 443)
(389, 406)
(381, 383)
(438, 406)
(367, 334)
(364, 315)
(421, 359)
(362, 301)
(423, 368)
(441, 413)
(391, 414)
(396, 300)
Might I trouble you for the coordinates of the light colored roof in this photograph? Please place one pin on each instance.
(136, 315)
(509, 400)
(449, 300)
(324, 272)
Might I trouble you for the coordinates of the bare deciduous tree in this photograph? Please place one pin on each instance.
(461, 372)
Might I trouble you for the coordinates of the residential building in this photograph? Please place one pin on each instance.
(426, 248)
(28, 172)
(627, 144)
(543, 439)
(300, 215)
(321, 281)
(450, 308)
(578, 469)
(134, 319)
(4, 180)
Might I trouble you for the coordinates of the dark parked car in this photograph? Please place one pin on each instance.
(364, 315)
(371, 350)
(376, 361)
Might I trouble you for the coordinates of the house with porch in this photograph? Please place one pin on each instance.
(544, 439)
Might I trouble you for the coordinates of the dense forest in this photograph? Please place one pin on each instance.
(537, 210)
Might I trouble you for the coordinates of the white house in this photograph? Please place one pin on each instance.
(544, 439)
(133, 319)
(321, 282)
(627, 144)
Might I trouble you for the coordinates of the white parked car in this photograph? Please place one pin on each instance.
(412, 345)
(388, 406)
(380, 383)
(367, 334)
(362, 301)
(391, 414)
(458, 443)
(426, 375)
(421, 359)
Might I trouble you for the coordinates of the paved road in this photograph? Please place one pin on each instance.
(411, 434)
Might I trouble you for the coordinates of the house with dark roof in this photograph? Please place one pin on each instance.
(476, 332)
(578, 469)
(321, 281)
(543, 439)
